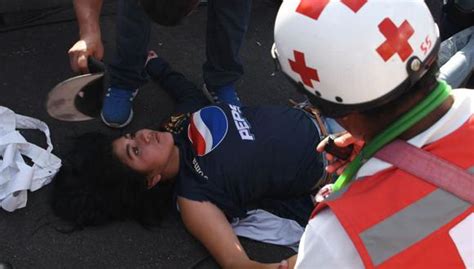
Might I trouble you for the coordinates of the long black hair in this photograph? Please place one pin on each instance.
(93, 187)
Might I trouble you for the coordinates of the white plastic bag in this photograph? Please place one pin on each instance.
(16, 176)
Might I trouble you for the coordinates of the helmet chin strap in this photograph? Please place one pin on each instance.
(417, 113)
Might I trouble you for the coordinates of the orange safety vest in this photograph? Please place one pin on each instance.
(396, 220)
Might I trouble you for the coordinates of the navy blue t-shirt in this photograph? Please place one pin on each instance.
(236, 157)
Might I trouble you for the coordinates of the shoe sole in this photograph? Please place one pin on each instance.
(116, 125)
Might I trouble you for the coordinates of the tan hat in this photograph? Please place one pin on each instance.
(76, 99)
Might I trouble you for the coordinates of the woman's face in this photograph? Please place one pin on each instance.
(146, 151)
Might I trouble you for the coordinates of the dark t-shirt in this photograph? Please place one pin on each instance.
(237, 157)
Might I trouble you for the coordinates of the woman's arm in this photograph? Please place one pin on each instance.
(209, 225)
(187, 96)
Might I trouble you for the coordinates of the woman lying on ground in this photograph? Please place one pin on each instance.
(229, 169)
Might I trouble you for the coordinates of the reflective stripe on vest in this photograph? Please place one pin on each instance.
(411, 225)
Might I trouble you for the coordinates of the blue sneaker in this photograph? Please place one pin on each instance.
(117, 109)
(225, 94)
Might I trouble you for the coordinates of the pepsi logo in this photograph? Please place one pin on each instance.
(207, 129)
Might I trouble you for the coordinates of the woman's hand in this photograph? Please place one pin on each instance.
(342, 140)
(151, 55)
(288, 263)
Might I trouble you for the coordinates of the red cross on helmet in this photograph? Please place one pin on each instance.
(354, 55)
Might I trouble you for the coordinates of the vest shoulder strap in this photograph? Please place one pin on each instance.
(429, 167)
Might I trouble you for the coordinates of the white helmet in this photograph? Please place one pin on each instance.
(353, 55)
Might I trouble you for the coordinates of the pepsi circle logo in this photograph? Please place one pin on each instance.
(207, 129)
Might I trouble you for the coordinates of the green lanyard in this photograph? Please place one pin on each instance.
(421, 110)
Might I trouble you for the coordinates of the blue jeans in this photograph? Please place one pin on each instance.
(126, 70)
(227, 23)
(226, 27)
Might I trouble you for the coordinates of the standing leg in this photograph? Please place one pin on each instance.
(226, 26)
(126, 69)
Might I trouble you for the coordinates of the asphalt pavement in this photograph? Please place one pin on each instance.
(33, 59)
